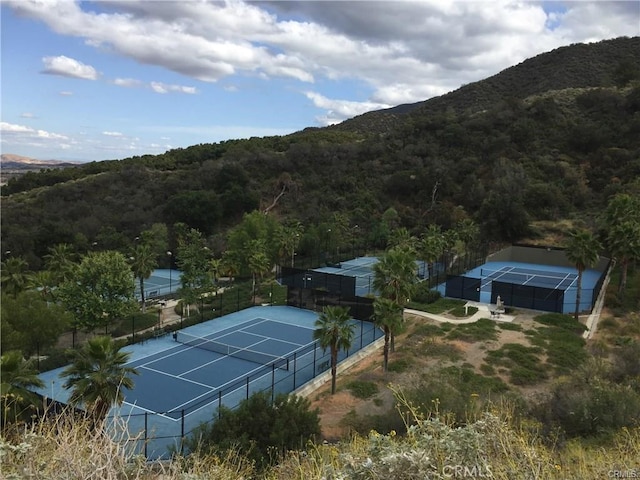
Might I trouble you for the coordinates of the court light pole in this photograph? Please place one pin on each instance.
(170, 268)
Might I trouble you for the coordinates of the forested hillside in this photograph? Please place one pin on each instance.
(551, 138)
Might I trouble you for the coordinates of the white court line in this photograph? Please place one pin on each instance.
(178, 377)
(557, 287)
(502, 272)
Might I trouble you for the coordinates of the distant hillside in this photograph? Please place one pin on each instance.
(551, 138)
(12, 166)
(602, 64)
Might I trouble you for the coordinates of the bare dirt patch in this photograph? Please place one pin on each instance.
(334, 408)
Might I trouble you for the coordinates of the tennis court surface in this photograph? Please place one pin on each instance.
(535, 286)
(185, 377)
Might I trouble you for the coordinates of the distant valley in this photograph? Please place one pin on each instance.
(16, 165)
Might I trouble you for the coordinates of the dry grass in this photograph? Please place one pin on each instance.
(492, 442)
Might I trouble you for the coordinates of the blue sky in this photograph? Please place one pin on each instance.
(87, 80)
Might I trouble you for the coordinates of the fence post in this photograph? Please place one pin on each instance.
(295, 356)
(146, 437)
(182, 433)
(273, 382)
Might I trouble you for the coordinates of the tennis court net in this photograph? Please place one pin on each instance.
(232, 351)
(358, 271)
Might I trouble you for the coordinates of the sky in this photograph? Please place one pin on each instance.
(111, 79)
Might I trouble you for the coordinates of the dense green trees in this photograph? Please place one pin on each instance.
(30, 323)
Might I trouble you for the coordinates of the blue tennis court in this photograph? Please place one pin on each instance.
(161, 282)
(192, 372)
(361, 268)
(528, 276)
(184, 379)
(519, 284)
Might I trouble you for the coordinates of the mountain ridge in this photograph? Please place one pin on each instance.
(523, 153)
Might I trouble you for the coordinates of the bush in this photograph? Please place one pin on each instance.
(362, 389)
(398, 366)
(590, 406)
(562, 321)
(482, 330)
(258, 428)
(424, 294)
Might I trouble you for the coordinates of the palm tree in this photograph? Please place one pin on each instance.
(394, 277)
(258, 263)
(97, 375)
(60, 261)
(14, 275)
(388, 315)
(335, 332)
(583, 251)
(44, 282)
(431, 247)
(215, 267)
(622, 222)
(17, 375)
(143, 263)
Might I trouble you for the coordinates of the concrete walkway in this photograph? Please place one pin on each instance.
(483, 312)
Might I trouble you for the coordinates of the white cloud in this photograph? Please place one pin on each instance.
(339, 110)
(112, 134)
(394, 52)
(21, 134)
(27, 115)
(65, 93)
(68, 67)
(160, 87)
(9, 128)
(404, 51)
(127, 82)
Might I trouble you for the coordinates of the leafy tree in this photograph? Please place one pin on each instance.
(388, 315)
(335, 332)
(31, 323)
(97, 375)
(17, 376)
(288, 238)
(143, 263)
(503, 212)
(199, 209)
(101, 290)
(14, 275)
(259, 428)
(254, 226)
(583, 251)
